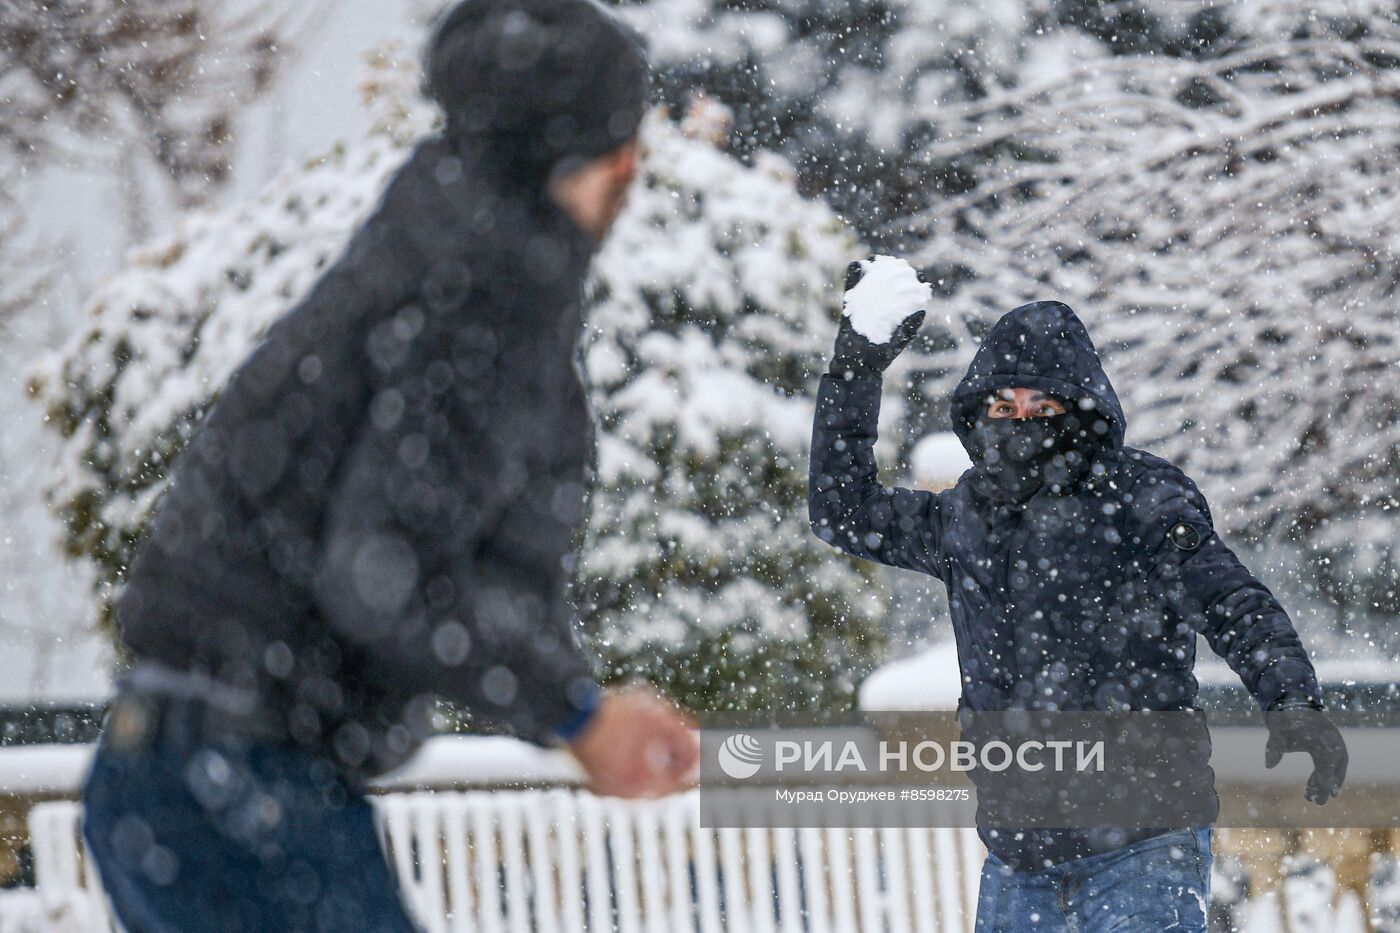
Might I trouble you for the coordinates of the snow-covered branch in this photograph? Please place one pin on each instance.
(1233, 250)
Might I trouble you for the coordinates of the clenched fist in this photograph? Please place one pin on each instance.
(637, 744)
(1308, 729)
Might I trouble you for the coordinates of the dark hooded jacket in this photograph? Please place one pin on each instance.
(1086, 595)
(381, 508)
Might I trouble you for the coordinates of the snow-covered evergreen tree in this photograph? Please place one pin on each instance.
(713, 311)
(713, 305)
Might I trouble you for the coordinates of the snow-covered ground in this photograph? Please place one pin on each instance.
(929, 679)
(59, 770)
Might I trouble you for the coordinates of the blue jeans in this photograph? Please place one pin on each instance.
(1156, 884)
(218, 835)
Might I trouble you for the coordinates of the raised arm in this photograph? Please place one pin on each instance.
(848, 507)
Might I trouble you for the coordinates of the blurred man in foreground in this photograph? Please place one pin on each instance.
(381, 510)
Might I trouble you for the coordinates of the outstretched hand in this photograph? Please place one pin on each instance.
(855, 355)
(1311, 731)
(637, 744)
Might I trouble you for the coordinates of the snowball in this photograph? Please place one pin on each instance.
(888, 292)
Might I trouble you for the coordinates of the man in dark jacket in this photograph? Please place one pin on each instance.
(1079, 572)
(381, 510)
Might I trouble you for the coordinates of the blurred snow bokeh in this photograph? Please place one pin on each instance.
(1211, 185)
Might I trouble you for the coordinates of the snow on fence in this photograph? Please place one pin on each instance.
(475, 851)
(559, 859)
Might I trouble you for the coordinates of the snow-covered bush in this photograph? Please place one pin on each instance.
(713, 305)
(715, 299)
(1227, 227)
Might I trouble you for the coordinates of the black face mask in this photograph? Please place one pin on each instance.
(1016, 457)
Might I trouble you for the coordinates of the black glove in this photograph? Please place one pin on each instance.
(1304, 727)
(857, 356)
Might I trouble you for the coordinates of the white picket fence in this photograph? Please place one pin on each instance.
(562, 859)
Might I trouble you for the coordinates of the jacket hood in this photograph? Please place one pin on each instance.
(1042, 345)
